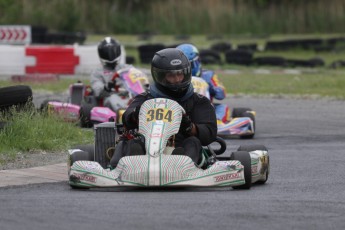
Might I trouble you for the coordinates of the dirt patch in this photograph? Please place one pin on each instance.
(35, 159)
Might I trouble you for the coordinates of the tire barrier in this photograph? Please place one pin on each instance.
(249, 47)
(17, 95)
(221, 46)
(210, 57)
(337, 64)
(41, 35)
(239, 57)
(294, 44)
(146, 52)
(270, 60)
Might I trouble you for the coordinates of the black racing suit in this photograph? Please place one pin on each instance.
(202, 114)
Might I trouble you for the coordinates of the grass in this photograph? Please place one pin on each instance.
(321, 84)
(30, 130)
(59, 86)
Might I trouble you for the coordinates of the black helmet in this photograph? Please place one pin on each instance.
(171, 60)
(109, 51)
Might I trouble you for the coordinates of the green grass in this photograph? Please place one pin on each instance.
(323, 84)
(29, 130)
(59, 86)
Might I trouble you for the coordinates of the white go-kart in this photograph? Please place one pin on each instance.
(159, 120)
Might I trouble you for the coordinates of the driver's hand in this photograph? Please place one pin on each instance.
(186, 125)
(111, 85)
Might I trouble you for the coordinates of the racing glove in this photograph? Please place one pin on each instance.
(186, 125)
(111, 85)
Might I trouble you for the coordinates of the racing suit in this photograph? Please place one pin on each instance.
(201, 113)
(99, 80)
(217, 91)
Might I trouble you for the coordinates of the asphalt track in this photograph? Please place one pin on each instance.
(305, 190)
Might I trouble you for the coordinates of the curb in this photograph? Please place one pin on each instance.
(42, 174)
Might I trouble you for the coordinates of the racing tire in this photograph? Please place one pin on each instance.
(85, 115)
(89, 148)
(44, 104)
(238, 112)
(85, 153)
(17, 95)
(250, 148)
(244, 158)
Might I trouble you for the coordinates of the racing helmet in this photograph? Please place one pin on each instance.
(193, 56)
(171, 61)
(109, 51)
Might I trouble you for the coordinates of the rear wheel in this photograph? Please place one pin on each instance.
(44, 104)
(244, 158)
(85, 115)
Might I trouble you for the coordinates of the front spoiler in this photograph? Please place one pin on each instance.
(160, 171)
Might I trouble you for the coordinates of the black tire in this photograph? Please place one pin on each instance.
(271, 61)
(250, 148)
(44, 104)
(85, 115)
(209, 56)
(89, 148)
(238, 112)
(249, 47)
(86, 153)
(244, 158)
(80, 155)
(15, 95)
(240, 57)
(221, 46)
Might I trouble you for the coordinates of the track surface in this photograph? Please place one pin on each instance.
(305, 190)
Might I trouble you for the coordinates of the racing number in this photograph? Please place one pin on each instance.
(159, 114)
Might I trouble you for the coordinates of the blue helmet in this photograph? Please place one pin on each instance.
(193, 56)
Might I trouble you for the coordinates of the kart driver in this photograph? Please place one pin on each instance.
(104, 82)
(215, 87)
(171, 74)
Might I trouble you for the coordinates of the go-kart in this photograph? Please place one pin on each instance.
(240, 122)
(159, 121)
(83, 107)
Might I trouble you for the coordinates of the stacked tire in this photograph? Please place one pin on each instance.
(17, 95)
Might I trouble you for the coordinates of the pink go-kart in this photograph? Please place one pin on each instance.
(84, 108)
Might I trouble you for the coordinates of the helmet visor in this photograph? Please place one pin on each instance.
(172, 79)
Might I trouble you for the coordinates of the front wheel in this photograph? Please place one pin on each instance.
(250, 148)
(244, 158)
(85, 153)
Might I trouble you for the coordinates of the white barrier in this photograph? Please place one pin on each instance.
(16, 60)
